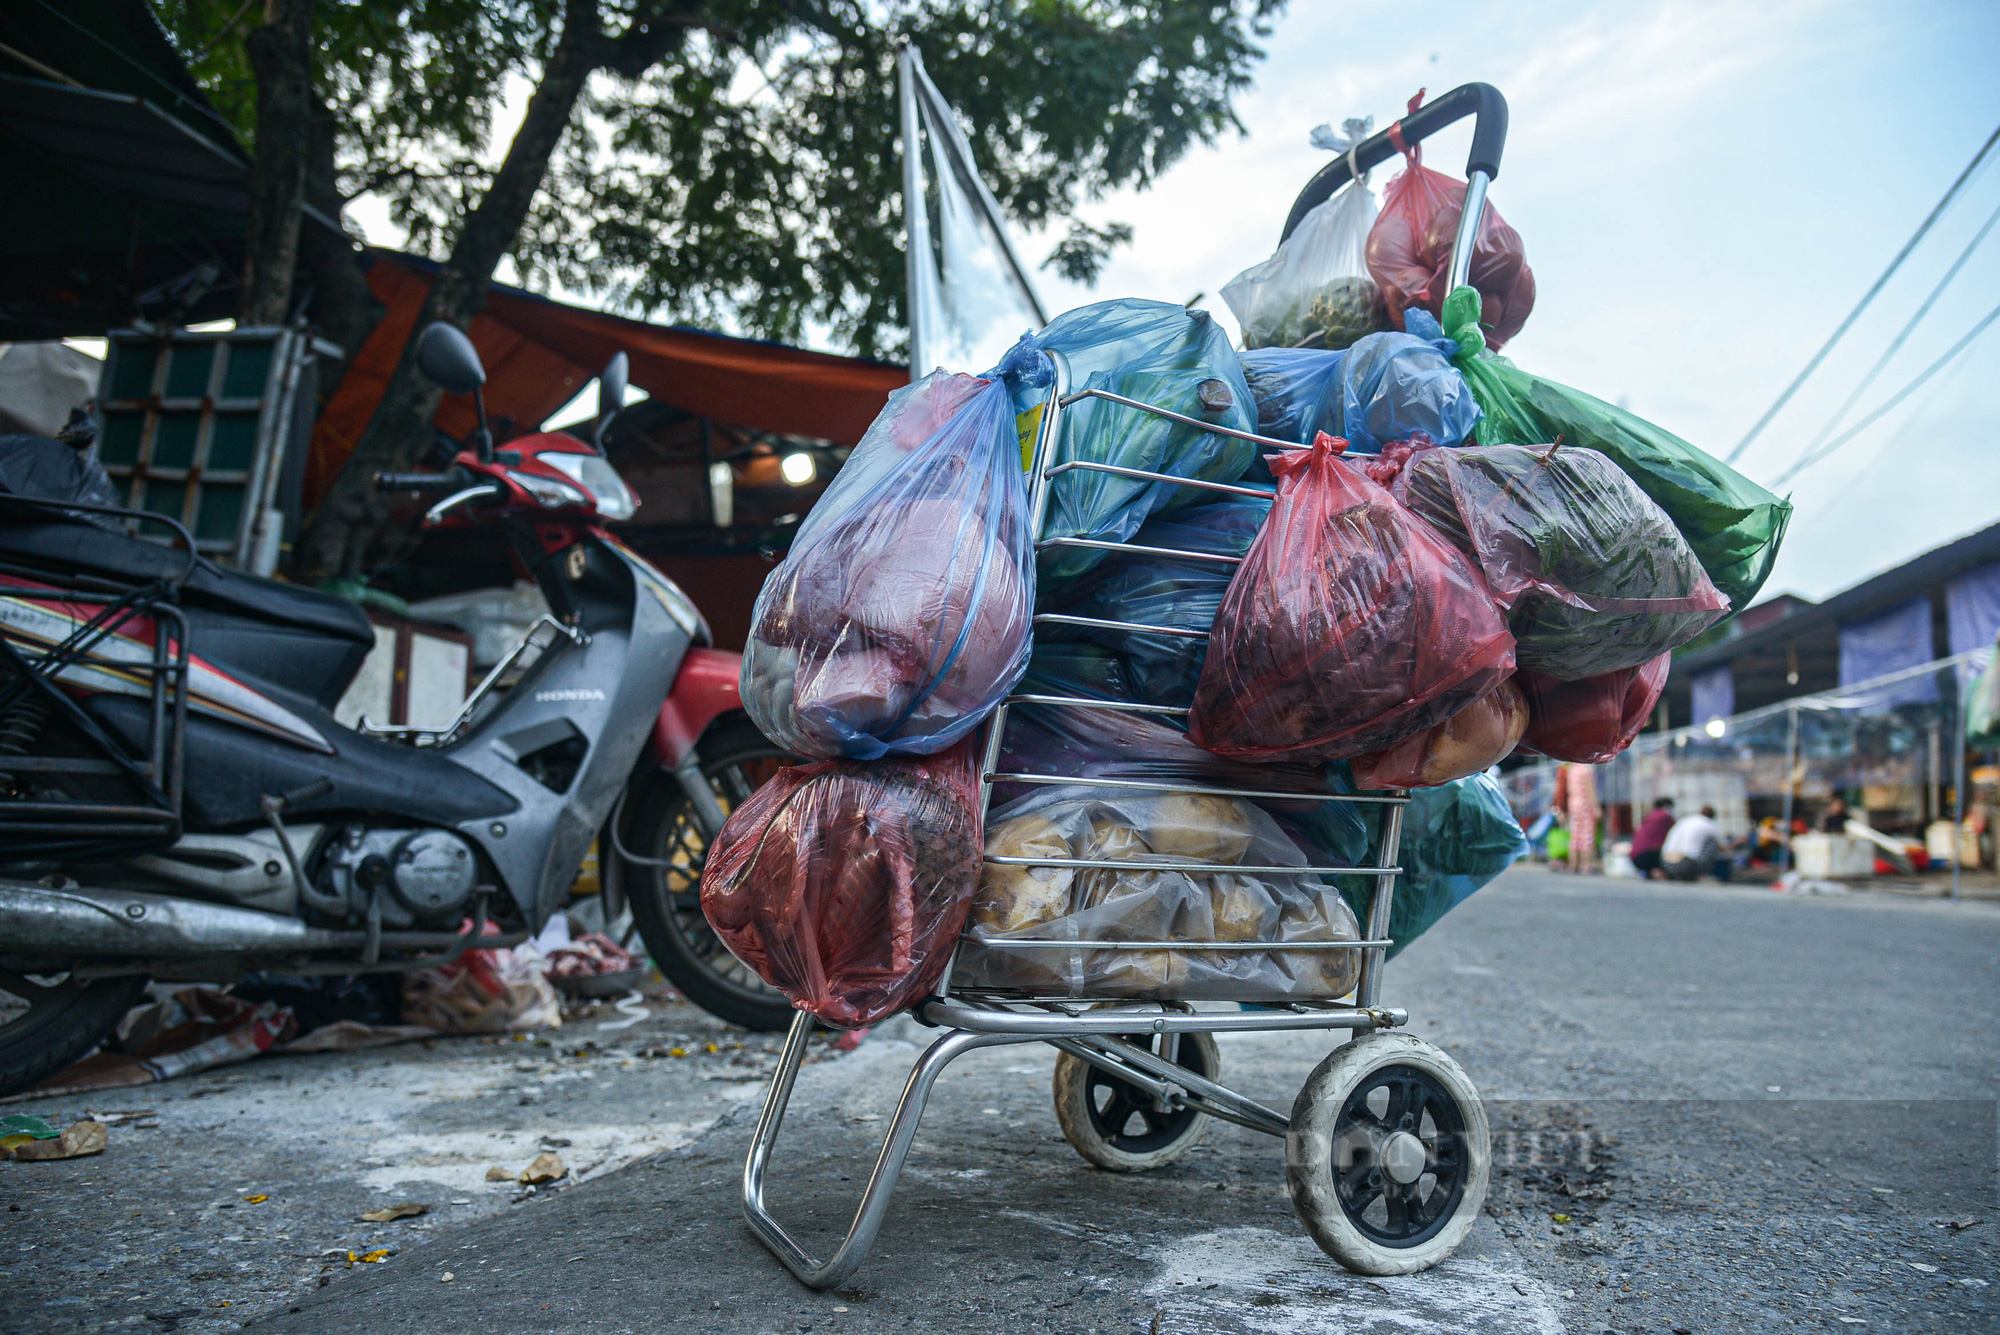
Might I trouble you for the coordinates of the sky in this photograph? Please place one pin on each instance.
(1704, 189)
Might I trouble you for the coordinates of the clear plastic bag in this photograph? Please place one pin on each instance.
(1154, 353)
(901, 616)
(1456, 839)
(844, 884)
(1315, 290)
(1193, 906)
(1480, 735)
(1144, 589)
(1594, 575)
(1394, 386)
(1349, 626)
(1733, 525)
(1409, 252)
(1592, 720)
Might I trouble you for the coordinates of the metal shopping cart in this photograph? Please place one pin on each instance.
(1386, 1147)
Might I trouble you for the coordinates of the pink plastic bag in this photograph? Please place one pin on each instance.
(844, 884)
(1409, 250)
(1592, 720)
(1349, 626)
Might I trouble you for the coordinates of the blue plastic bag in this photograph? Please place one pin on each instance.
(1152, 352)
(1163, 591)
(1297, 391)
(1456, 838)
(901, 616)
(1395, 385)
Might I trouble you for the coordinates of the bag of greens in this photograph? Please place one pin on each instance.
(1732, 524)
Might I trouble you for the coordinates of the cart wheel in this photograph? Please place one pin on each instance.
(1116, 1125)
(1388, 1155)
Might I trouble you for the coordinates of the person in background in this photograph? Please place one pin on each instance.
(1834, 819)
(1770, 841)
(1651, 834)
(1694, 846)
(1582, 809)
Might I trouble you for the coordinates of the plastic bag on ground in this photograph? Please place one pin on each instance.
(1315, 290)
(1393, 386)
(844, 884)
(1592, 720)
(1409, 252)
(1733, 525)
(1155, 353)
(1594, 575)
(1193, 906)
(1179, 592)
(901, 616)
(1480, 735)
(1456, 838)
(1349, 626)
(1297, 392)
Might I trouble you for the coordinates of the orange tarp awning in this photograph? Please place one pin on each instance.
(539, 352)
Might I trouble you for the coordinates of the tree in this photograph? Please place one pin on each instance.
(733, 162)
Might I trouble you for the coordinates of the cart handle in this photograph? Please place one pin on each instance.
(1482, 101)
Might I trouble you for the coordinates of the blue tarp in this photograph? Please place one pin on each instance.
(1713, 694)
(1887, 642)
(1972, 610)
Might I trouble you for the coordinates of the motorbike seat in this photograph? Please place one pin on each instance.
(287, 636)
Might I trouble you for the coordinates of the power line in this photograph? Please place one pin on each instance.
(1902, 335)
(1922, 378)
(1867, 297)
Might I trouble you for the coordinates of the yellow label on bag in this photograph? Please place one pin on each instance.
(1029, 425)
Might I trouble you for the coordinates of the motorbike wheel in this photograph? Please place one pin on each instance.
(666, 900)
(48, 1021)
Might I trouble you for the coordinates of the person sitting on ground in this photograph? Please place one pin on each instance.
(1770, 841)
(1651, 834)
(1834, 819)
(1694, 847)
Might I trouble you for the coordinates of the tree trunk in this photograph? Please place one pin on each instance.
(348, 520)
(343, 307)
(280, 54)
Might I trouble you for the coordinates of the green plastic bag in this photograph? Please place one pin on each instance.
(1733, 525)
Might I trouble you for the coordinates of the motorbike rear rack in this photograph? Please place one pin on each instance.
(61, 625)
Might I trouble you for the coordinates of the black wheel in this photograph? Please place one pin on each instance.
(660, 823)
(48, 1021)
(1388, 1155)
(1121, 1127)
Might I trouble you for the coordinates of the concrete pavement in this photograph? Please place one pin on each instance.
(1715, 1110)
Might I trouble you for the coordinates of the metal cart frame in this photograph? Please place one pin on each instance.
(1098, 1034)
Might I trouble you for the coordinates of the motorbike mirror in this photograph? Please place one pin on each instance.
(446, 356)
(610, 393)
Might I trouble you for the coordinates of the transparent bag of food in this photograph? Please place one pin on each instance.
(1315, 290)
(1196, 900)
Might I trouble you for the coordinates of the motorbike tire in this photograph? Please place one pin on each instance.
(46, 1026)
(666, 900)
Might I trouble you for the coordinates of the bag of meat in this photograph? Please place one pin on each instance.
(844, 884)
(900, 618)
(1592, 720)
(1594, 575)
(1483, 733)
(1349, 626)
(1409, 251)
(1155, 353)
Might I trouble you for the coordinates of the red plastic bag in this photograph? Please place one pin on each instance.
(1483, 733)
(1592, 720)
(1349, 626)
(1409, 250)
(844, 884)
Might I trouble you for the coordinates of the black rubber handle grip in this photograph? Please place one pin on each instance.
(417, 482)
(1489, 136)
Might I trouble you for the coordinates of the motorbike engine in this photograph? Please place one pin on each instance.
(420, 876)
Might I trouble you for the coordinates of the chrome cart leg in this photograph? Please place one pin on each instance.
(888, 1167)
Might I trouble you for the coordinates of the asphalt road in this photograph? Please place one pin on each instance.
(1751, 1112)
